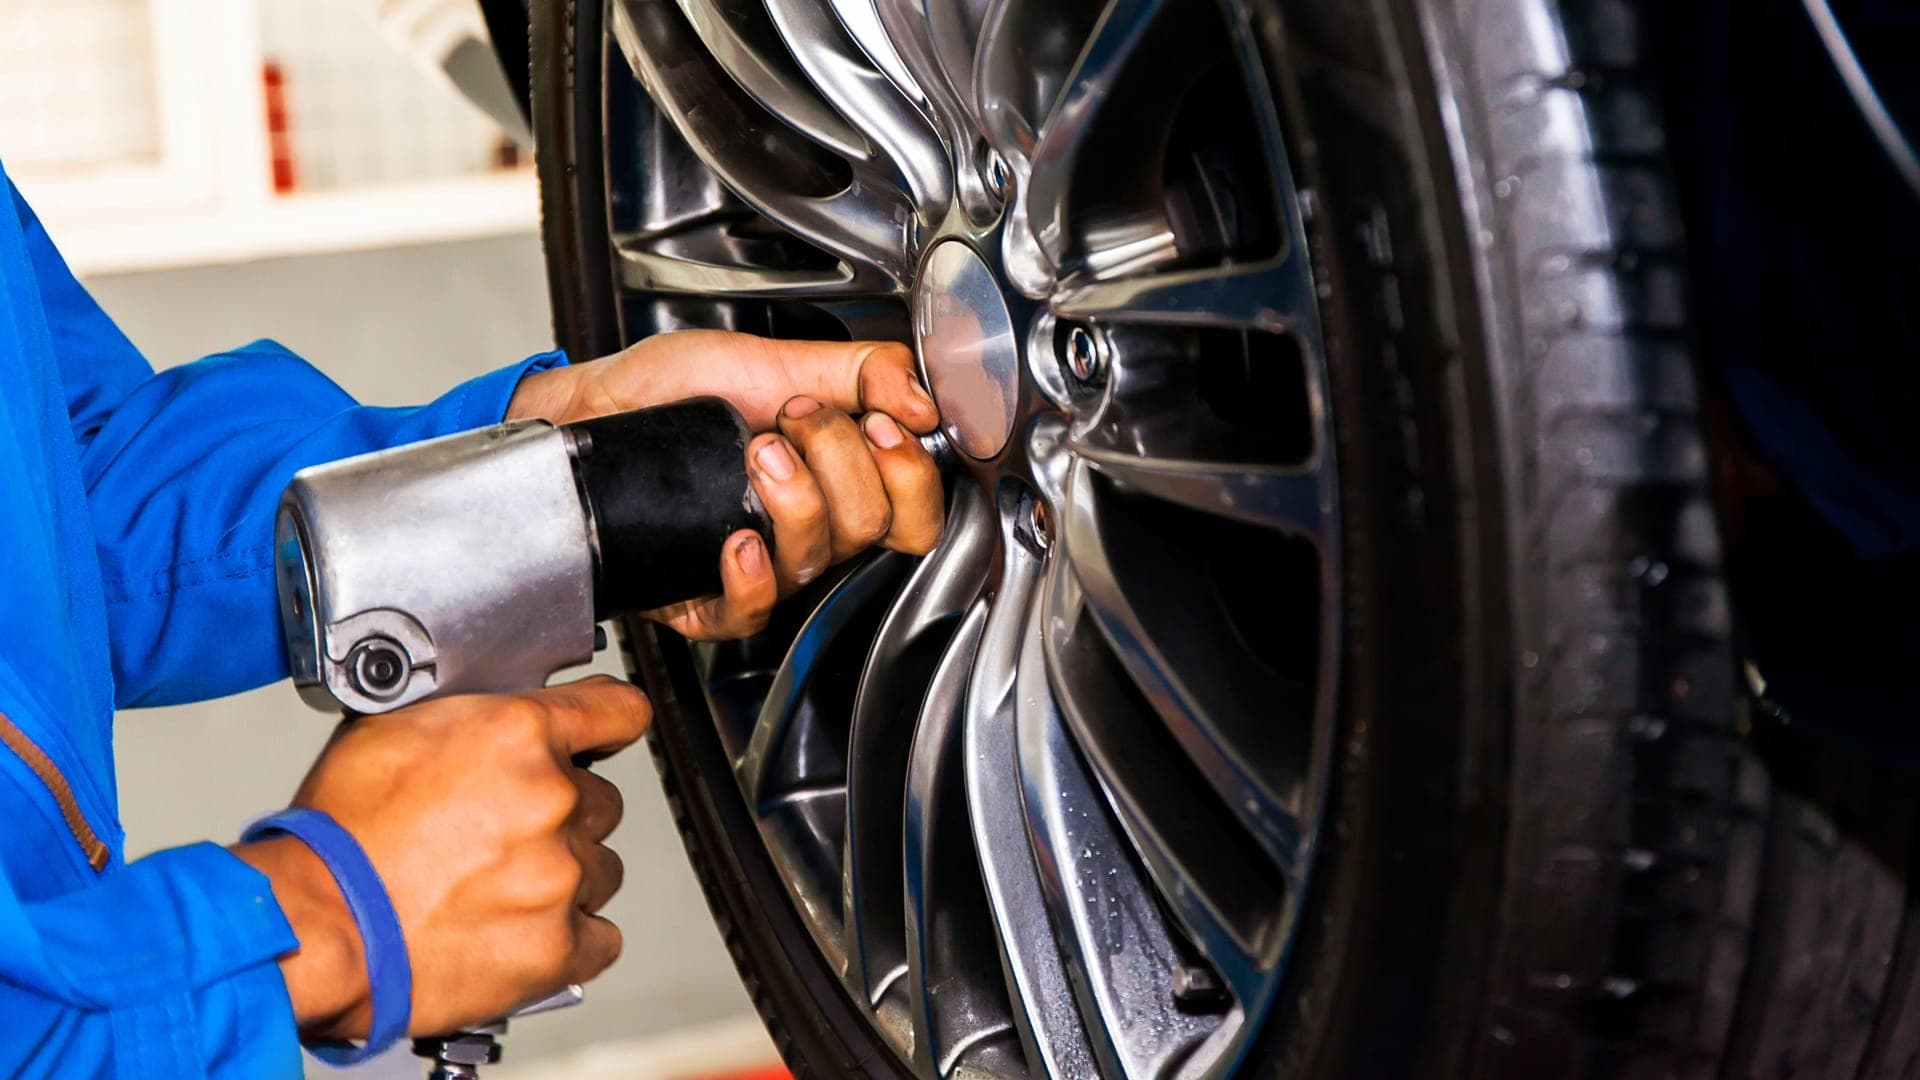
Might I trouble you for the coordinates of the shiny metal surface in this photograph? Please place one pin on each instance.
(740, 38)
(850, 215)
(819, 41)
(1047, 800)
(968, 348)
(893, 680)
(400, 554)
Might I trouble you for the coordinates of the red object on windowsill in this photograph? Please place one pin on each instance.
(273, 80)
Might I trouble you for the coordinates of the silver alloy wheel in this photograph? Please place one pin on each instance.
(1048, 799)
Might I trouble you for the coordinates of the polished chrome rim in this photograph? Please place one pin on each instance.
(1048, 799)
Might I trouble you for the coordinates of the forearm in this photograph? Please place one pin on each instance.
(326, 976)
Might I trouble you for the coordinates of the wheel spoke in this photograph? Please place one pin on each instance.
(866, 97)
(1275, 295)
(1011, 67)
(1294, 499)
(1245, 46)
(645, 270)
(1000, 73)
(1221, 888)
(764, 70)
(905, 23)
(683, 193)
(952, 983)
(953, 28)
(866, 586)
(1247, 728)
(772, 170)
(861, 20)
(1043, 201)
(1109, 924)
(910, 641)
(1037, 982)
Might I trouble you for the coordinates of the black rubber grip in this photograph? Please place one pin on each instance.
(665, 487)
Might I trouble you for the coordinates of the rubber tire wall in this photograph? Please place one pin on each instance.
(1555, 848)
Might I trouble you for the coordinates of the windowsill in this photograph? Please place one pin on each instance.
(304, 223)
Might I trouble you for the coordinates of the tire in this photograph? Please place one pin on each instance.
(1553, 844)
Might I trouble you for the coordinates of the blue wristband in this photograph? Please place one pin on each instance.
(389, 975)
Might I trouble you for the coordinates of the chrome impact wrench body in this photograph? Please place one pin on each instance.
(483, 562)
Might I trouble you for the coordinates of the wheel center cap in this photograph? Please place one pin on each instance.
(967, 348)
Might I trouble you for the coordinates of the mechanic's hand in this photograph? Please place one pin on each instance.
(833, 485)
(488, 837)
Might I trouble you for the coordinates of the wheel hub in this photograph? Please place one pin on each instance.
(968, 348)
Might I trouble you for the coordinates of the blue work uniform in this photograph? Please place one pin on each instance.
(136, 520)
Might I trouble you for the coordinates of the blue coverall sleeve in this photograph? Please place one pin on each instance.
(175, 955)
(183, 470)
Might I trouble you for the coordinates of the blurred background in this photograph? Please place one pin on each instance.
(224, 170)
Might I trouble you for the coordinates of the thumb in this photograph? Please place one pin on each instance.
(860, 376)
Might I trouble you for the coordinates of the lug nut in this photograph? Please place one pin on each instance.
(1039, 523)
(1086, 360)
(1198, 989)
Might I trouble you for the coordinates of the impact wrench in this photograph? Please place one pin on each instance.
(484, 562)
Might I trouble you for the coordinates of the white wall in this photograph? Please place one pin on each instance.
(397, 326)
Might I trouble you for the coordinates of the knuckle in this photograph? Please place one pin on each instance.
(551, 799)
(522, 720)
(866, 524)
(559, 876)
(922, 471)
(919, 543)
(809, 518)
(544, 880)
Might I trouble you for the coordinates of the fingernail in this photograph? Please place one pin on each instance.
(921, 393)
(882, 430)
(774, 459)
(751, 555)
(801, 406)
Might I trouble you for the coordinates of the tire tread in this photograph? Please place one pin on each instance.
(1638, 810)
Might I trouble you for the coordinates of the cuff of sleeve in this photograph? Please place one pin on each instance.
(187, 916)
(482, 401)
(247, 1027)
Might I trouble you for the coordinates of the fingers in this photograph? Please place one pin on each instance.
(748, 588)
(912, 484)
(601, 874)
(600, 807)
(802, 546)
(598, 715)
(594, 819)
(597, 945)
(862, 376)
(890, 383)
(842, 464)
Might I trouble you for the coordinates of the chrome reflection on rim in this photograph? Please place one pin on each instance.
(1047, 800)
(968, 348)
